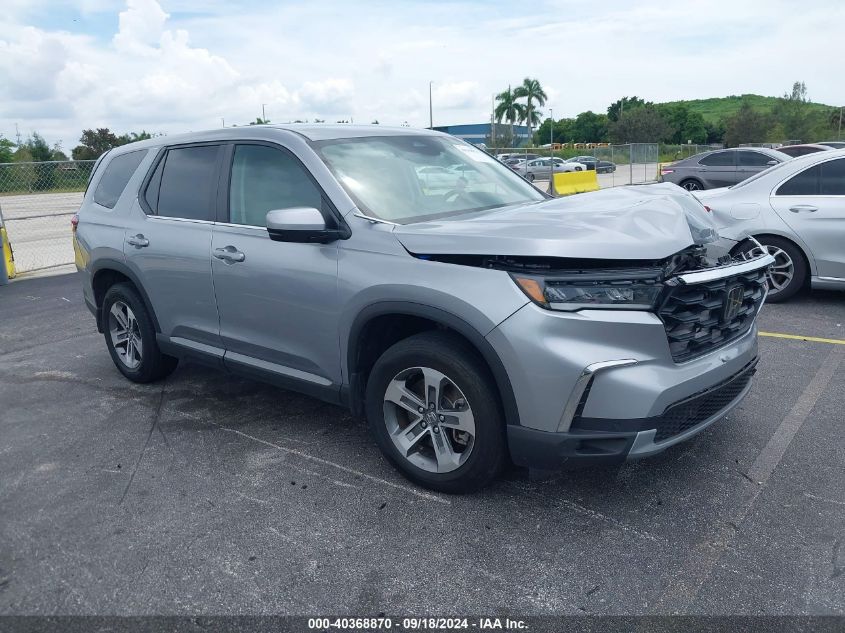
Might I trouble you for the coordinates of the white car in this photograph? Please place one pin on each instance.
(540, 168)
(796, 210)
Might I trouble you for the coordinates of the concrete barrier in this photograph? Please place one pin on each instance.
(8, 263)
(567, 183)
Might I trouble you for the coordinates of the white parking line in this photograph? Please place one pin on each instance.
(689, 579)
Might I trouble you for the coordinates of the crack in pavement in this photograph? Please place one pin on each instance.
(153, 427)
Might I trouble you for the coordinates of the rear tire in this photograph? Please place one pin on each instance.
(691, 184)
(530, 177)
(469, 449)
(131, 337)
(578, 169)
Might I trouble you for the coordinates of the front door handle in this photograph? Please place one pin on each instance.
(138, 241)
(229, 254)
(803, 208)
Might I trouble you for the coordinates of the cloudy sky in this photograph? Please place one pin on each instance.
(176, 65)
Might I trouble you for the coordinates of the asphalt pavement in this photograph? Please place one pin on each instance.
(217, 495)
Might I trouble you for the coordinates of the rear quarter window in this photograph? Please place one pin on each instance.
(116, 176)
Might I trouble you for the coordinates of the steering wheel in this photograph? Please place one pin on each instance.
(453, 195)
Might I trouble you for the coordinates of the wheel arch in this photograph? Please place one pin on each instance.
(420, 317)
(808, 260)
(108, 272)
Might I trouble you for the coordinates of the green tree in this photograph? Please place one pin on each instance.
(132, 137)
(746, 126)
(95, 143)
(532, 92)
(623, 105)
(792, 114)
(6, 153)
(687, 124)
(38, 148)
(260, 121)
(589, 127)
(715, 132)
(640, 125)
(509, 109)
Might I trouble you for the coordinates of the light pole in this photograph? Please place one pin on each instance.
(430, 108)
(263, 116)
(551, 151)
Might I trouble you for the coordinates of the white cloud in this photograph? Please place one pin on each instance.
(172, 65)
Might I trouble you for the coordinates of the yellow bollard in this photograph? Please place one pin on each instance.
(8, 254)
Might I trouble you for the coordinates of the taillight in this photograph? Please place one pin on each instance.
(663, 172)
(74, 222)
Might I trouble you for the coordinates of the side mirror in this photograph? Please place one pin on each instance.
(300, 224)
(772, 162)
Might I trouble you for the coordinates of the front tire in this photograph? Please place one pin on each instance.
(789, 272)
(435, 413)
(530, 177)
(130, 336)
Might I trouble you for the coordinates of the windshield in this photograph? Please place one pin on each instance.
(406, 179)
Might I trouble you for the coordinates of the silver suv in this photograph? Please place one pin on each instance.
(471, 320)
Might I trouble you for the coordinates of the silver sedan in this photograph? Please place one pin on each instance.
(796, 210)
(541, 168)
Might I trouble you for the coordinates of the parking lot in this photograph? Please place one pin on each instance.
(216, 495)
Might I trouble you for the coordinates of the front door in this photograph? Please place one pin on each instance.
(277, 300)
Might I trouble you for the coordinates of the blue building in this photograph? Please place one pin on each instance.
(477, 133)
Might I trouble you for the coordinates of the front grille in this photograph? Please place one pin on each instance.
(696, 318)
(694, 410)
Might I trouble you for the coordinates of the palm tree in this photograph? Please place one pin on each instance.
(532, 92)
(509, 109)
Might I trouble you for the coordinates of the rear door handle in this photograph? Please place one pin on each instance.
(803, 208)
(138, 241)
(229, 254)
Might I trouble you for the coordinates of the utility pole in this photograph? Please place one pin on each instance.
(18, 134)
(263, 116)
(223, 121)
(839, 134)
(430, 108)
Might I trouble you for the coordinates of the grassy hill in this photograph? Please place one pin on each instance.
(718, 108)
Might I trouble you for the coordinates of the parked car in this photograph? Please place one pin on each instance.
(803, 149)
(833, 144)
(486, 323)
(796, 211)
(600, 166)
(720, 168)
(541, 168)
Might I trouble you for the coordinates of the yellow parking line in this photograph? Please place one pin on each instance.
(798, 337)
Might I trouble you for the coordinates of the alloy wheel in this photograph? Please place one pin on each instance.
(125, 335)
(429, 419)
(691, 185)
(779, 274)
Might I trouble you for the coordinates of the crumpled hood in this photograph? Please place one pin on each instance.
(635, 222)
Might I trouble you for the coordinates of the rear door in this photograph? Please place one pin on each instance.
(277, 300)
(812, 202)
(168, 243)
(717, 169)
(750, 162)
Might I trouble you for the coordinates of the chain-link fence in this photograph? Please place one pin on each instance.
(37, 201)
(670, 153)
(631, 163)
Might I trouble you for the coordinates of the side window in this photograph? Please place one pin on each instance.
(264, 179)
(833, 178)
(188, 183)
(805, 183)
(719, 159)
(114, 178)
(151, 193)
(753, 159)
